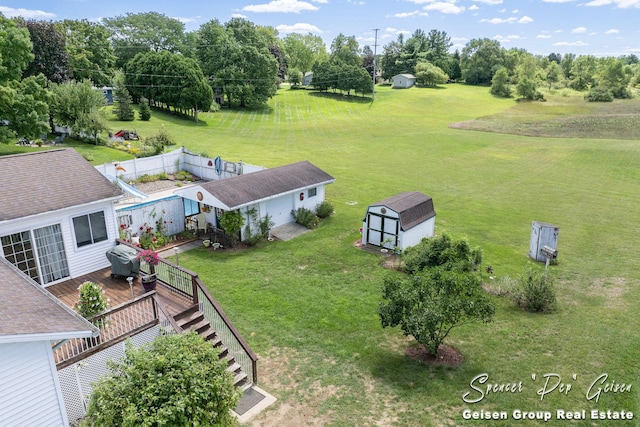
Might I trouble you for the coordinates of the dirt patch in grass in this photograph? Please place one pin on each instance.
(447, 355)
(298, 404)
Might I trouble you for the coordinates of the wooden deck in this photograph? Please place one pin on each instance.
(118, 291)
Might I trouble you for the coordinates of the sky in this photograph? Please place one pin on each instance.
(582, 27)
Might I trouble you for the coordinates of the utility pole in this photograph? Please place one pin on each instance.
(375, 49)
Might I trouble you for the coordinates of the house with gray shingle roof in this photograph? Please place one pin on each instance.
(31, 321)
(400, 221)
(57, 215)
(274, 192)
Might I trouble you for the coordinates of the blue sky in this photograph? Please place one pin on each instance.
(594, 27)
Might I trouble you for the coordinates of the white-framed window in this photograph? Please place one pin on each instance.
(312, 192)
(90, 229)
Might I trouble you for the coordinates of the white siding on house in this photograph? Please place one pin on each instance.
(81, 260)
(29, 392)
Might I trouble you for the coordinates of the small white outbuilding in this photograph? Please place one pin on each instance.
(403, 81)
(400, 221)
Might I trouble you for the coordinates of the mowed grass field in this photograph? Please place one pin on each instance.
(308, 306)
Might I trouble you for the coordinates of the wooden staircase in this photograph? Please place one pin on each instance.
(193, 319)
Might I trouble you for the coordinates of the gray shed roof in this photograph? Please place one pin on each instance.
(413, 208)
(29, 312)
(253, 187)
(45, 181)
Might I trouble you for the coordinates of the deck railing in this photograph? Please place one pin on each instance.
(187, 283)
(115, 325)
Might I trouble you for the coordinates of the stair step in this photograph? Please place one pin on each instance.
(239, 379)
(187, 313)
(235, 367)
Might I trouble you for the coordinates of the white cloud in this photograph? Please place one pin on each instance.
(500, 20)
(578, 43)
(239, 15)
(557, 1)
(621, 4)
(506, 39)
(11, 12)
(579, 30)
(525, 20)
(474, 7)
(282, 6)
(410, 14)
(443, 7)
(302, 28)
(612, 31)
(490, 2)
(543, 36)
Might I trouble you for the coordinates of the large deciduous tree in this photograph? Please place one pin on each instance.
(303, 51)
(135, 33)
(50, 54)
(77, 105)
(169, 80)
(236, 57)
(480, 59)
(23, 103)
(178, 380)
(345, 50)
(90, 52)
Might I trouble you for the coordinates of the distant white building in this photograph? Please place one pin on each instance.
(306, 79)
(403, 81)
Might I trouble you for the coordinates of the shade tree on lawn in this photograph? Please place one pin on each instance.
(440, 292)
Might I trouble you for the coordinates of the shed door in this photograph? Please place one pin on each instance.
(382, 231)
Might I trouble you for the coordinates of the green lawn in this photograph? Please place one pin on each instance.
(308, 306)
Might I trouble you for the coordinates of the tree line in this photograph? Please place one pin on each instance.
(46, 68)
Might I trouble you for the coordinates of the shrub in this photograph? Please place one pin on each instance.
(441, 251)
(183, 176)
(179, 380)
(535, 291)
(304, 216)
(599, 94)
(91, 300)
(145, 112)
(324, 209)
(232, 222)
(89, 157)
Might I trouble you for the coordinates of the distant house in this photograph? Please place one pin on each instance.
(399, 221)
(274, 192)
(306, 79)
(403, 81)
(58, 219)
(31, 322)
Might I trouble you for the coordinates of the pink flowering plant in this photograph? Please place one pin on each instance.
(148, 256)
(91, 300)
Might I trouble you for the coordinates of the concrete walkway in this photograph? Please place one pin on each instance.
(289, 231)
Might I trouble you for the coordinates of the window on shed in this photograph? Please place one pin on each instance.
(90, 229)
(312, 192)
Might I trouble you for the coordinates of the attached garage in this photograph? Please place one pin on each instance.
(399, 221)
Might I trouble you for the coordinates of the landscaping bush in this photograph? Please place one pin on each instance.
(304, 216)
(441, 251)
(535, 291)
(178, 380)
(599, 94)
(324, 209)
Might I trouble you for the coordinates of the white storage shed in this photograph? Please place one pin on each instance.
(403, 81)
(400, 221)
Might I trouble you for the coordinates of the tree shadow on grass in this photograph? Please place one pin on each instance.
(342, 97)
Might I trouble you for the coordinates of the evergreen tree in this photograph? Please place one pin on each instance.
(145, 112)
